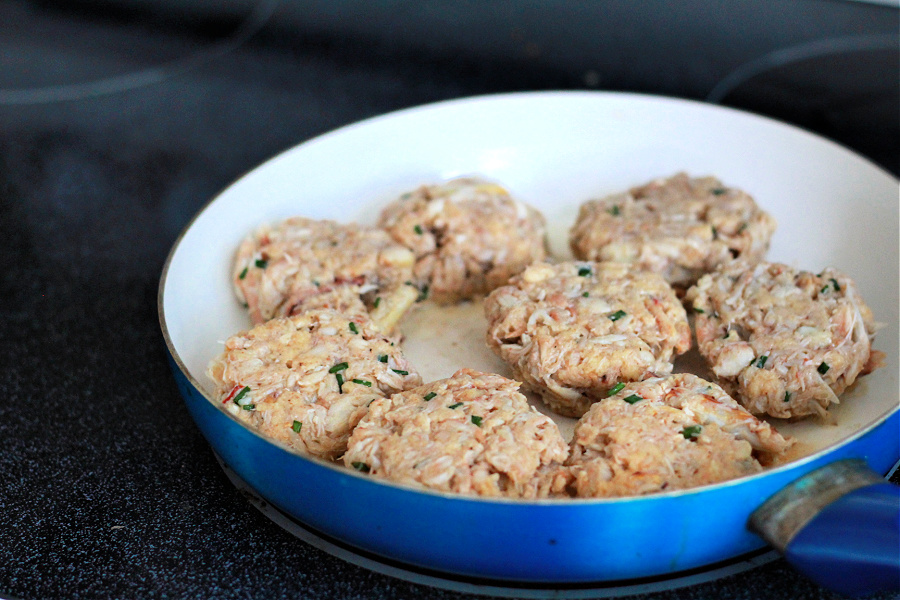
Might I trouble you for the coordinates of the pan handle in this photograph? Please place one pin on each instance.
(838, 525)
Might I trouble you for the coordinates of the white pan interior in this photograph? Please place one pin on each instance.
(554, 151)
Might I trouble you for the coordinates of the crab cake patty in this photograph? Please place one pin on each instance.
(573, 331)
(306, 380)
(680, 227)
(783, 342)
(472, 433)
(300, 263)
(666, 434)
(469, 236)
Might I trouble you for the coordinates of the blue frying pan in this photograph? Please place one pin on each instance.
(547, 146)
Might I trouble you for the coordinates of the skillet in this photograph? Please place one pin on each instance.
(552, 150)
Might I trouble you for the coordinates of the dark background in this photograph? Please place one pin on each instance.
(120, 119)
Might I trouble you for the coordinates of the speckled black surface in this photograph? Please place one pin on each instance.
(107, 489)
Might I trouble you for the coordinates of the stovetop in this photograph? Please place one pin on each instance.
(120, 119)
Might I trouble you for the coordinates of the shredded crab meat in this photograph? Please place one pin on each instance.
(572, 331)
(594, 338)
(783, 342)
(472, 433)
(665, 434)
(469, 236)
(680, 227)
(302, 264)
(309, 378)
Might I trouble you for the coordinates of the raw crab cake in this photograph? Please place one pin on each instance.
(300, 264)
(783, 342)
(473, 433)
(680, 227)
(666, 434)
(307, 380)
(469, 236)
(575, 331)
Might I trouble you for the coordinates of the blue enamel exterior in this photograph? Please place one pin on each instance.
(545, 541)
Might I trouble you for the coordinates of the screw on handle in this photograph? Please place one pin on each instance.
(839, 525)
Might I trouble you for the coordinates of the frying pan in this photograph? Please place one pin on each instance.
(553, 150)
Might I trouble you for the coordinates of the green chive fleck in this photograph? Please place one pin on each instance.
(360, 466)
(340, 381)
(429, 396)
(586, 294)
(477, 420)
(338, 367)
(718, 191)
(377, 301)
(249, 407)
(261, 263)
(240, 395)
(823, 368)
(691, 432)
(296, 426)
(456, 405)
(353, 327)
(382, 358)
(632, 399)
(715, 232)
(834, 282)
(615, 389)
(243, 273)
(399, 372)
(787, 396)
(823, 290)
(363, 382)
(423, 295)
(761, 361)
(617, 315)
(584, 271)
(699, 310)
(418, 229)
(614, 211)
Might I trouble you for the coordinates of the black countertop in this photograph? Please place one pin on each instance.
(117, 124)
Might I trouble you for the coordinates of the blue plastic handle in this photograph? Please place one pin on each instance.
(853, 545)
